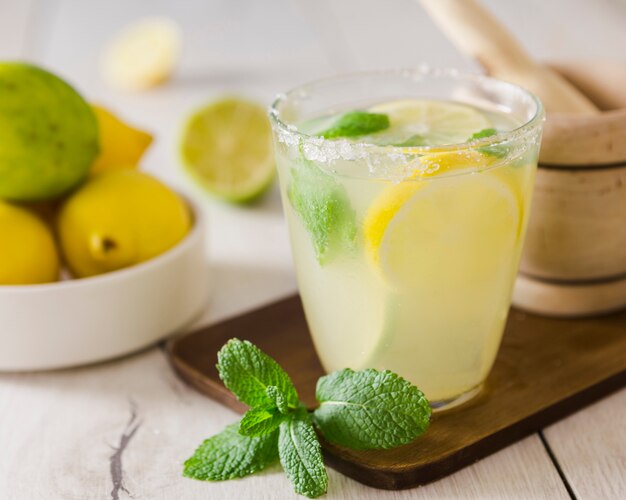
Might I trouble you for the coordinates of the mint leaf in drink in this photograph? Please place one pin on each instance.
(260, 421)
(247, 372)
(481, 134)
(414, 140)
(370, 409)
(301, 455)
(278, 400)
(356, 123)
(323, 206)
(229, 455)
(498, 151)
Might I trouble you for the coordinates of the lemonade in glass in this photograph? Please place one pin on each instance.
(407, 195)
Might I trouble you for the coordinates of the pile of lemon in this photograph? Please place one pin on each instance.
(70, 195)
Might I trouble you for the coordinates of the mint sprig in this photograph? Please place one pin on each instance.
(324, 209)
(355, 405)
(356, 123)
(365, 409)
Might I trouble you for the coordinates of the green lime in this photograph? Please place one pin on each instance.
(48, 134)
(226, 146)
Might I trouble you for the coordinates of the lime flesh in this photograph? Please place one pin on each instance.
(227, 148)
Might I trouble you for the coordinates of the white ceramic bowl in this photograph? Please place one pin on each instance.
(81, 321)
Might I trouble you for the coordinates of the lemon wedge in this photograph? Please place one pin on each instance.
(143, 55)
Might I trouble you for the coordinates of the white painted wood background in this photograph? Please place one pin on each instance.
(59, 430)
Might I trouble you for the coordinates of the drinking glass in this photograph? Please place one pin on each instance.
(406, 256)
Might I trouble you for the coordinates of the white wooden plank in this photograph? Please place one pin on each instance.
(15, 17)
(590, 447)
(59, 431)
(521, 471)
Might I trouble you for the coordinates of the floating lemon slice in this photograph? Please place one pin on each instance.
(438, 123)
(444, 248)
(227, 147)
(393, 198)
(442, 232)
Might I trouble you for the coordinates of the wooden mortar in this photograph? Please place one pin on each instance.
(574, 260)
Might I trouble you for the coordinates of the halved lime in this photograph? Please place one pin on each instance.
(227, 148)
(436, 123)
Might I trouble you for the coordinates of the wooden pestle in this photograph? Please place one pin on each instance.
(477, 33)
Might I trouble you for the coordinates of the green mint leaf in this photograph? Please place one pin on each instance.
(278, 399)
(247, 372)
(260, 421)
(414, 140)
(356, 123)
(481, 134)
(370, 409)
(229, 455)
(499, 151)
(323, 206)
(301, 455)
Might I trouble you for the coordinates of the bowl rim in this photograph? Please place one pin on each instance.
(191, 238)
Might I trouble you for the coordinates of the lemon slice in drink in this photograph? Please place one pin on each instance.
(445, 232)
(437, 122)
(226, 146)
(392, 199)
(445, 248)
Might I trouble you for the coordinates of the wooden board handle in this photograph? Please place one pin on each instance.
(477, 33)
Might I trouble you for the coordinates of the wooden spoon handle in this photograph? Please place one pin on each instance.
(477, 33)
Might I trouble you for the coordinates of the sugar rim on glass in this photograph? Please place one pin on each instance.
(323, 150)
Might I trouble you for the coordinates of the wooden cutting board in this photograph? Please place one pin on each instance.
(546, 369)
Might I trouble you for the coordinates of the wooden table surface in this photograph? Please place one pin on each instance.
(121, 429)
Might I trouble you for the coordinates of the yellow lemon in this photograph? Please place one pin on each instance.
(121, 146)
(120, 218)
(27, 253)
